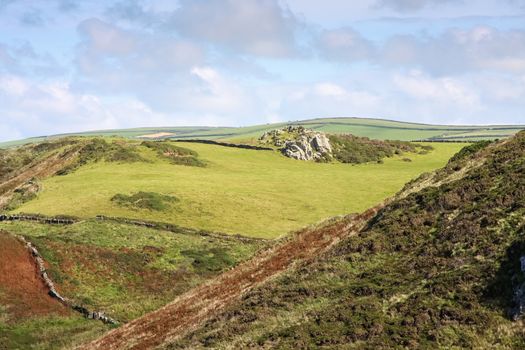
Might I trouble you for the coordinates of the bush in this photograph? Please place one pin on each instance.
(348, 148)
(98, 149)
(177, 155)
(145, 200)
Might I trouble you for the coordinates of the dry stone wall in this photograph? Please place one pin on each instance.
(38, 218)
(179, 229)
(39, 261)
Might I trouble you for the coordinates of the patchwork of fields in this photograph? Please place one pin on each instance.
(374, 128)
(254, 193)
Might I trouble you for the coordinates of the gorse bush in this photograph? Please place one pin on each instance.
(348, 148)
(98, 149)
(176, 155)
(145, 200)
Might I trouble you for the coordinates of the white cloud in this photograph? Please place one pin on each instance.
(104, 37)
(327, 99)
(411, 5)
(437, 90)
(454, 52)
(344, 44)
(29, 108)
(256, 27)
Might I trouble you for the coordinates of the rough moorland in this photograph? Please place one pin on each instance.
(122, 269)
(439, 268)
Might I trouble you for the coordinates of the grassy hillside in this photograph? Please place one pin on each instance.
(256, 193)
(121, 269)
(374, 128)
(439, 268)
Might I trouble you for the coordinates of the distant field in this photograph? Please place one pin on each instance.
(374, 128)
(255, 193)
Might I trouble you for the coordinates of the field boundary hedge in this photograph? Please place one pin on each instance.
(225, 144)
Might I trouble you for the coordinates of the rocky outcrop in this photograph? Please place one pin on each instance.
(299, 143)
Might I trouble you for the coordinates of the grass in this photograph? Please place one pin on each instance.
(144, 200)
(255, 193)
(48, 333)
(127, 270)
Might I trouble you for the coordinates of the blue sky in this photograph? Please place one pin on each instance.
(81, 65)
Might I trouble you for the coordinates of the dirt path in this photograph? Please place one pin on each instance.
(192, 309)
(22, 289)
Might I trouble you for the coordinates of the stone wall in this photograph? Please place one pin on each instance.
(39, 261)
(226, 144)
(38, 218)
(178, 229)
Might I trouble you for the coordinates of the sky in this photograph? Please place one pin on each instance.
(68, 66)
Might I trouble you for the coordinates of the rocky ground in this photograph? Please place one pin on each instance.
(299, 143)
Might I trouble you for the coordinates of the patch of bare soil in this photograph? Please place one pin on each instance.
(192, 309)
(22, 290)
(156, 136)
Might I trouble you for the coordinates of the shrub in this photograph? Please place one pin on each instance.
(176, 155)
(98, 149)
(348, 148)
(145, 200)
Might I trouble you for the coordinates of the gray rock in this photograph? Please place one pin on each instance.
(309, 146)
(299, 143)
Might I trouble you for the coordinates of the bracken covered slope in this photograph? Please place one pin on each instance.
(437, 268)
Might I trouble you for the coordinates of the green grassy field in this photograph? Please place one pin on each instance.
(374, 128)
(254, 193)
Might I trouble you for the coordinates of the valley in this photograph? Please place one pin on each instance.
(179, 233)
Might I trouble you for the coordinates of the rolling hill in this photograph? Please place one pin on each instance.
(437, 266)
(253, 193)
(374, 128)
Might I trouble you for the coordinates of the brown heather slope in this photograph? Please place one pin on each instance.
(40, 168)
(195, 307)
(22, 287)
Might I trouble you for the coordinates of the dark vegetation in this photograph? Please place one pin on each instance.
(23, 194)
(437, 269)
(15, 159)
(225, 144)
(145, 200)
(348, 148)
(468, 151)
(98, 149)
(176, 155)
(206, 261)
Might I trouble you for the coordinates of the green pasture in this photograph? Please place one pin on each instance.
(254, 193)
